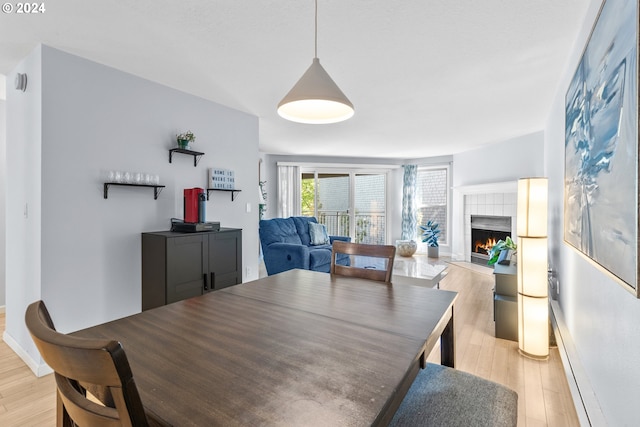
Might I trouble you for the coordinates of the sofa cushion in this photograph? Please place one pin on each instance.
(302, 225)
(318, 234)
(319, 255)
(320, 258)
(278, 230)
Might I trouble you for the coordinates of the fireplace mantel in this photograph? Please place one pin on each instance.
(493, 187)
(461, 219)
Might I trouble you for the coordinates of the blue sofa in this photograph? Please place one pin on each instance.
(286, 244)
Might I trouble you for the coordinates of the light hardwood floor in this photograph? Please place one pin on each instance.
(544, 397)
(25, 400)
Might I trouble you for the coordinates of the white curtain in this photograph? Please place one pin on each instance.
(288, 191)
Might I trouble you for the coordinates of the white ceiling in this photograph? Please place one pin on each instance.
(426, 77)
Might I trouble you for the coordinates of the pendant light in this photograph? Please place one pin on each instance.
(315, 98)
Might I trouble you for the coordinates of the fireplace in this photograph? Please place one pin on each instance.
(486, 230)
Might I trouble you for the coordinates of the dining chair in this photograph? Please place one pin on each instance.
(380, 270)
(99, 366)
(447, 397)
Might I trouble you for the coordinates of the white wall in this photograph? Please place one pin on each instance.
(602, 317)
(508, 160)
(95, 119)
(3, 87)
(478, 171)
(23, 205)
(3, 170)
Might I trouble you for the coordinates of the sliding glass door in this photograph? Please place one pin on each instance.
(349, 203)
(370, 213)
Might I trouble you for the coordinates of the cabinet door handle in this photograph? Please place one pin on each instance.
(204, 278)
(213, 280)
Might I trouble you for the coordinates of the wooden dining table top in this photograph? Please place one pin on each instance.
(294, 349)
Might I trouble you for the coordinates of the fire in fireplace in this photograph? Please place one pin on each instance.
(483, 246)
(486, 230)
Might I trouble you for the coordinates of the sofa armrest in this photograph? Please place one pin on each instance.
(279, 257)
(342, 238)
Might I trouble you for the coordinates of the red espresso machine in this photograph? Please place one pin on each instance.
(192, 200)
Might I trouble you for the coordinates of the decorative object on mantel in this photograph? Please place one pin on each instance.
(406, 248)
(185, 139)
(601, 146)
(315, 98)
(430, 233)
(502, 252)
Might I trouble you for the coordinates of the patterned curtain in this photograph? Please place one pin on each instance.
(409, 220)
(288, 191)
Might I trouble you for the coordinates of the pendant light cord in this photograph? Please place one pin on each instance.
(316, 33)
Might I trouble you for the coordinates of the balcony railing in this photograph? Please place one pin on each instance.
(369, 226)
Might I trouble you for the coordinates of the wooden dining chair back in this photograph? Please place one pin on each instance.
(382, 273)
(81, 364)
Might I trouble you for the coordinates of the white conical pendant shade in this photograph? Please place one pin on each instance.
(315, 99)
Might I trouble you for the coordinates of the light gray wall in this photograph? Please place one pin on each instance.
(602, 317)
(501, 162)
(23, 206)
(83, 256)
(3, 180)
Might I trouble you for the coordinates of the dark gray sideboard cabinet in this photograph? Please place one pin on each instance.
(505, 302)
(176, 266)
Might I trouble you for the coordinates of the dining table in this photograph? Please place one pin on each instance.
(299, 348)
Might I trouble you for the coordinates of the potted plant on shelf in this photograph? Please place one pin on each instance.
(184, 139)
(502, 252)
(430, 233)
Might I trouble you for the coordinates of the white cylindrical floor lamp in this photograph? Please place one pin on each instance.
(533, 295)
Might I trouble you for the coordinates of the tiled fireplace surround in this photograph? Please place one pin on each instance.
(499, 199)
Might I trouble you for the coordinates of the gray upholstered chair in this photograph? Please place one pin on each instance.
(446, 397)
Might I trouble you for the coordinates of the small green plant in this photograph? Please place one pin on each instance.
(186, 136)
(501, 245)
(430, 233)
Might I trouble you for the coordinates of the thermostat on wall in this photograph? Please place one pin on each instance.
(21, 82)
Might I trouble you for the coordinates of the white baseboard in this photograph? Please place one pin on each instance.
(3, 309)
(39, 369)
(584, 398)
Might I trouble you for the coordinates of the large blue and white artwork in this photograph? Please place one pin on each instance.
(601, 145)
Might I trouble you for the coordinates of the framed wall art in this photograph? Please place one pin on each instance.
(601, 145)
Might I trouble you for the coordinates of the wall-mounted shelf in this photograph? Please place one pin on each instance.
(196, 154)
(234, 193)
(157, 189)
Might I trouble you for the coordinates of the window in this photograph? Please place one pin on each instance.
(350, 202)
(432, 193)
